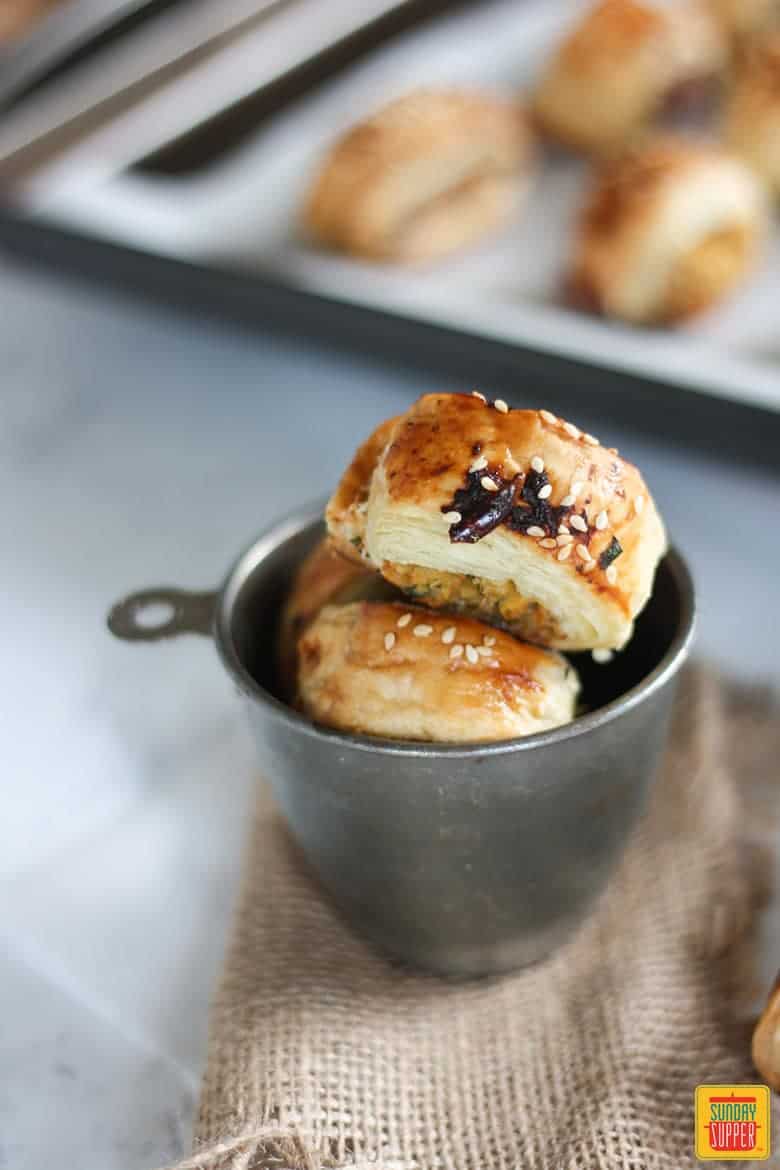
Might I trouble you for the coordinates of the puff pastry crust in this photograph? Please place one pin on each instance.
(667, 230)
(427, 174)
(745, 20)
(325, 577)
(619, 67)
(753, 116)
(512, 516)
(404, 673)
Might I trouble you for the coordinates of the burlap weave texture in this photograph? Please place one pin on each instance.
(322, 1054)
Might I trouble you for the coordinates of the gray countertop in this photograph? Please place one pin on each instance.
(139, 446)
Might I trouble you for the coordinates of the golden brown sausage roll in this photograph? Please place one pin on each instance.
(429, 173)
(667, 230)
(405, 673)
(745, 21)
(753, 116)
(621, 65)
(325, 577)
(766, 1040)
(512, 516)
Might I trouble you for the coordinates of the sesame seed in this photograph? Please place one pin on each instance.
(602, 520)
(535, 530)
(576, 487)
(548, 416)
(570, 429)
(493, 662)
(545, 492)
(479, 464)
(476, 394)
(537, 463)
(639, 503)
(568, 500)
(404, 621)
(589, 566)
(578, 523)
(563, 530)
(611, 574)
(613, 450)
(511, 466)
(448, 635)
(602, 656)
(591, 439)
(489, 640)
(389, 641)
(422, 631)
(565, 552)
(581, 552)
(548, 542)
(564, 538)
(489, 484)
(501, 406)
(484, 651)
(453, 517)
(456, 651)
(472, 655)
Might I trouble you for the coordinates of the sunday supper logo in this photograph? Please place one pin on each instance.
(732, 1123)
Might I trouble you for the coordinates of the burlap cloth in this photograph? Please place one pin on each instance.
(322, 1054)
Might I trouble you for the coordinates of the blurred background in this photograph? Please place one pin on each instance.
(185, 359)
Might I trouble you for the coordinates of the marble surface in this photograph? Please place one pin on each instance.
(139, 446)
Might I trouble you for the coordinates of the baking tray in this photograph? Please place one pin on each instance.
(227, 203)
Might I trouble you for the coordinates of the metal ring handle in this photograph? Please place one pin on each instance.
(185, 613)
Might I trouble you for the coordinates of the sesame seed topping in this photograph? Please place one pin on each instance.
(476, 394)
(613, 450)
(389, 641)
(472, 655)
(484, 651)
(548, 542)
(602, 520)
(511, 466)
(564, 538)
(611, 574)
(448, 635)
(576, 487)
(565, 552)
(422, 631)
(639, 503)
(535, 530)
(563, 530)
(548, 416)
(404, 621)
(602, 656)
(489, 484)
(489, 640)
(581, 552)
(479, 464)
(501, 406)
(568, 500)
(456, 651)
(545, 492)
(453, 517)
(591, 439)
(589, 566)
(537, 463)
(578, 523)
(570, 429)
(493, 662)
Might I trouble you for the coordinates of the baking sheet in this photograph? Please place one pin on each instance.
(242, 210)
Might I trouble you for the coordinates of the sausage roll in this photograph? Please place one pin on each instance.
(405, 673)
(744, 21)
(429, 173)
(666, 231)
(512, 516)
(325, 577)
(753, 116)
(621, 65)
(766, 1040)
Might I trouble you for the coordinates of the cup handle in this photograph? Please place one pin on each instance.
(162, 612)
